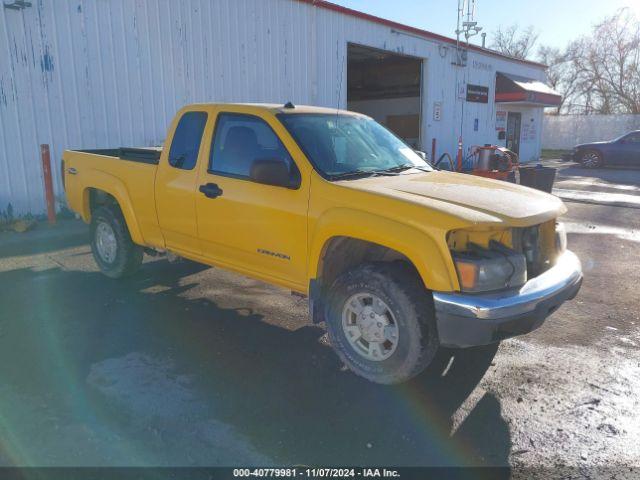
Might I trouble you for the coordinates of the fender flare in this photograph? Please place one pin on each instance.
(427, 255)
(116, 188)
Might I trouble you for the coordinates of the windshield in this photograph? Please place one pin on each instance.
(632, 136)
(342, 144)
(617, 139)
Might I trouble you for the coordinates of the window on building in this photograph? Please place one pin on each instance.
(240, 140)
(186, 140)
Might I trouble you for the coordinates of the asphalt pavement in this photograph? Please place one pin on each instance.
(188, 365)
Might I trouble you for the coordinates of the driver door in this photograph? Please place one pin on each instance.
(259, 230)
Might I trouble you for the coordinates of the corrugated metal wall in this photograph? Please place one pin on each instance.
(105, 73)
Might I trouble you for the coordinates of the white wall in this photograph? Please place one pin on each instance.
(566, 131)
(480, 70)
(91, 74)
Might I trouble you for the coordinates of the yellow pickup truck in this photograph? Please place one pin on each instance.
(396, 257)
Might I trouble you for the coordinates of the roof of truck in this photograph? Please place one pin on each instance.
(283, 108)
(279, 108)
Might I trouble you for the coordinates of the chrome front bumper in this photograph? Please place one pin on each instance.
(466, 320)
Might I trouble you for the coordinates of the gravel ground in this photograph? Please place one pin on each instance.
(188, 365)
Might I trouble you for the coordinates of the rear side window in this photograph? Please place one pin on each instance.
(186, 140)
(242, 139)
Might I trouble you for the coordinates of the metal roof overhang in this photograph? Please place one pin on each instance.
(417, 31)
(525, 91)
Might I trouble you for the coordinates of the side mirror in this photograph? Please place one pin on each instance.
(273, 171)
(422, 155)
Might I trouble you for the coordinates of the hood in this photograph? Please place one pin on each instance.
(476, 199)
(590, 144)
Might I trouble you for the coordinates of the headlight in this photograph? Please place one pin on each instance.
(487, 270)
(561, 238)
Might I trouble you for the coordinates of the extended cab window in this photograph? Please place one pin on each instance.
(240, 140)
(186, 140)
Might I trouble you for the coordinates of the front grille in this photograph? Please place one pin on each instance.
(529, 242)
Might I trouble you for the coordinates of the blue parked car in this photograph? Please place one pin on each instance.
(623, 151)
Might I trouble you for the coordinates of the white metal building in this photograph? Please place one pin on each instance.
(109, 73)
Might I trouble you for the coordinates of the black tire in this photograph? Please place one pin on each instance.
(591, 159)
(128, 255)
(411, 306)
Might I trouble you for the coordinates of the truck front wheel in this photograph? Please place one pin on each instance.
(111, 244)
(381, 322)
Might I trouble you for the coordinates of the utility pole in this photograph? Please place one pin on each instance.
(467, 27)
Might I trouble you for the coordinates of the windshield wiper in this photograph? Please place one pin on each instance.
(406, 166)
(387, 172)
(362, 173)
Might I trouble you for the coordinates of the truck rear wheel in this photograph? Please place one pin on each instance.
(111, 244)
(381, 322)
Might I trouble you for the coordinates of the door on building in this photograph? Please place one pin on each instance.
(387, 86)
(514, 122)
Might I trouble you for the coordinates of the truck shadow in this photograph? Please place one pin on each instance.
(44, 239)
(72, 338)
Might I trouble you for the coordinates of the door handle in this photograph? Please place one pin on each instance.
(211, 190)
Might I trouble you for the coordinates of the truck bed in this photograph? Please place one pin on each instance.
(128, 174)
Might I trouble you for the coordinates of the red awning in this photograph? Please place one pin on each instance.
(515, 89)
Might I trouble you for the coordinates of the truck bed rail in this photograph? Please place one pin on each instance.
(143, 155)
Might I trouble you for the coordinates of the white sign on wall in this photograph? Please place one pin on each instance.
(437, 111)
(501, 120)
(462, 89)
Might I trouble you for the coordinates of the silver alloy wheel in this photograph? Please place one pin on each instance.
(106, 242)
(591, 159)
(370, 327)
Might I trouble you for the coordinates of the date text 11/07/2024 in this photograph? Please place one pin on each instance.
(316, 472)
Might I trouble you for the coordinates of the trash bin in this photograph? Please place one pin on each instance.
(538, 177)
(545, 176)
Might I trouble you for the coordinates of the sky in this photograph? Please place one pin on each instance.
(557, 21)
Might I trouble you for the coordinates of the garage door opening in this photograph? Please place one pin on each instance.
(387, 87)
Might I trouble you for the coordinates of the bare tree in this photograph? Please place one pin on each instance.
(599, 73)
(568, 75)
(513, 41)
(562, 75)
(612, 63)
